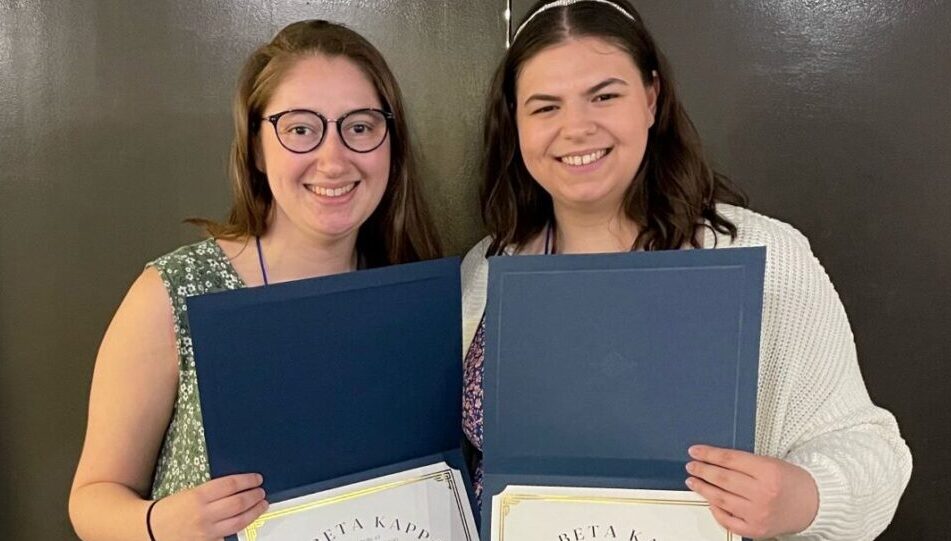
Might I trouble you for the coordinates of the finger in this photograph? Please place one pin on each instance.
(730, 459)
(730, 522)
(235, 524)
(222, 487)
(235, 504)
(718, 497)
(736, 482)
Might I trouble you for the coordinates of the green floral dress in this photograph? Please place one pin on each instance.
(190, 270)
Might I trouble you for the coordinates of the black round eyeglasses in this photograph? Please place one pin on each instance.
(302, 130)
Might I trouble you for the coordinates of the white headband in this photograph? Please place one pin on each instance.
(566, 3)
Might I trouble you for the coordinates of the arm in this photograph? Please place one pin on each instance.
(852, 449)
(816, 416)
(130, 404)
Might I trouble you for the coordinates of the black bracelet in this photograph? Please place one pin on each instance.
(148, 520)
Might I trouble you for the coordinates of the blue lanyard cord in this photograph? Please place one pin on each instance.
(549, 243)
(261, 259)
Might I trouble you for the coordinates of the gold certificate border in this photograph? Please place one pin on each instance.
(511, 500)
(251, 531)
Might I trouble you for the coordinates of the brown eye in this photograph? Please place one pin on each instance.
(300, 130)
(546, 109)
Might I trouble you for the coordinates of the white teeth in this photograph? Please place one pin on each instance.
(331, 192)
(583, 159)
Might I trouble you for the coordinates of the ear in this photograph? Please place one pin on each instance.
(258, 149)
(653, 92)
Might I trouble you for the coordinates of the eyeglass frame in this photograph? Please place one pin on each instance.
(387, 116)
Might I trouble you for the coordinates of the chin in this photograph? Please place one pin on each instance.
(584, 198)
(334, 230)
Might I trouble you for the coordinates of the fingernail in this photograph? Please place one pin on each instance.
(694, 451)
(689, 483)
(260, 478)
(691, 467)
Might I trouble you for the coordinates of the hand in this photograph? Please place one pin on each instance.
(753, 496)
(212, 510)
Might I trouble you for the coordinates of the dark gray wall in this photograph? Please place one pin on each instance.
(835, 116)
(114, 126)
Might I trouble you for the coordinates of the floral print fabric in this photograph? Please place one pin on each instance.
(474, 370)
(190, 270)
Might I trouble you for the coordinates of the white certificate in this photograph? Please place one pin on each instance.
(427, 503)
(526, 513)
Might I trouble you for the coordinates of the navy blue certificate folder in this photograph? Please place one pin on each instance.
(330, 381)
(601, 370)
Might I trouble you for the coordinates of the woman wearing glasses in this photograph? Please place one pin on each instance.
(324, 182)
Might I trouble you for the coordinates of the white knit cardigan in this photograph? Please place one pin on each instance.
(813, 409)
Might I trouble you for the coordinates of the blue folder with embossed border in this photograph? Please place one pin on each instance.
(330, 381)
(601, 370)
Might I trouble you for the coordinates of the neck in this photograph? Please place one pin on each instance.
(290, 255)
(593, 232)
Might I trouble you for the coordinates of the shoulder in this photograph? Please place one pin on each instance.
(144, 320)
(159, 290)
(475, 263)
(188, 254)
(789, 256)
(755, 229)
(792, 269)
(148, 297)
(201, 267)
(800, 301)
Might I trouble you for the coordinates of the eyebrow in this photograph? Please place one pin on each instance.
(593, 90)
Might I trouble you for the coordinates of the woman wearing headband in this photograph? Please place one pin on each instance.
(324, 182)
(587, 149)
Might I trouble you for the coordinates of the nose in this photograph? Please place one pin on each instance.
(577, 123)
(331, 155)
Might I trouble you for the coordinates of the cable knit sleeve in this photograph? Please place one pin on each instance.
(814, 409)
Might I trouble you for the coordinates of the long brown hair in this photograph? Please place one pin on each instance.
(674, 192)
(400, 229)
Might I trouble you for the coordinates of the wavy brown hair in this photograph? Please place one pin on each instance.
(675, 191)
(401, 229)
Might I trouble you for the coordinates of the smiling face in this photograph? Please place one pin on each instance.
(583, 114)
(329, 192)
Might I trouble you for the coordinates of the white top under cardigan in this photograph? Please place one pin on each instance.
(812, 406)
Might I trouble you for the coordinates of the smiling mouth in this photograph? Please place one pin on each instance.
(339, 191)
(585, 158)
